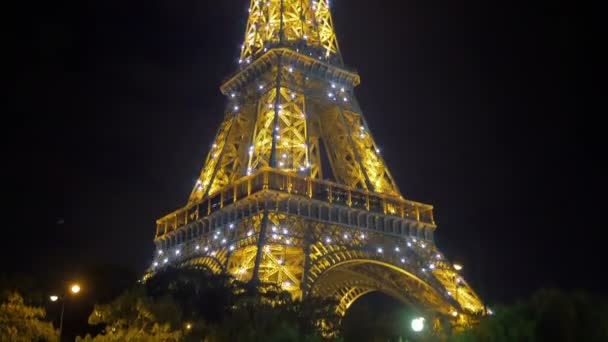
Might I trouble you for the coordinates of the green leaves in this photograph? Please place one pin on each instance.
(190, 304)
(19, 322)
(550, 315)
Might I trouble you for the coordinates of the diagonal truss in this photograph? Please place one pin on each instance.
(302, 23)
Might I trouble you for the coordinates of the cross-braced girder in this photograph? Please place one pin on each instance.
(300, 24)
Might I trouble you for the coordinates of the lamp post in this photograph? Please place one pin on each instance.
(74, 289)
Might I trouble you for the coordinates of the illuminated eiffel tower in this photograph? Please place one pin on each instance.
(295, 192)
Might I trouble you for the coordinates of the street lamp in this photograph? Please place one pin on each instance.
(418, 324)
(74, 289)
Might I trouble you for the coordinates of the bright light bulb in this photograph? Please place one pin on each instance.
(418, 324)
(75, 288)
(53, 298)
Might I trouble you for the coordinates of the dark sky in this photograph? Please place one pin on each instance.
(480, 108)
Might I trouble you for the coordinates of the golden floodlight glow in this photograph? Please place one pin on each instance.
(54, 298)
(264, 208)
(75, 288)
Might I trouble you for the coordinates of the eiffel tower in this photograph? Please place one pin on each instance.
(295, 192)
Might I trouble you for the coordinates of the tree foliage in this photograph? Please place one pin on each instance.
(20, 322)
(194, 304)
(550, 315)
(134, 316)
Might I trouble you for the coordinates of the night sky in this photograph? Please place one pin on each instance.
(480, 109)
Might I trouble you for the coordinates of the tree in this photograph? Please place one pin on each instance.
(195, 304)
(19, 322)
(550, 315)
(134, 316)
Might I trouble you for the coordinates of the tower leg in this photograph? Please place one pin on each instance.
(255, 279)
(306, 248)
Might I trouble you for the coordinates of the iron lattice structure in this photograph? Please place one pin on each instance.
(295, 191)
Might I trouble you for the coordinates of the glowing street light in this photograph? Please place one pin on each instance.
(74, 289)
(418, 324)
(457, 267)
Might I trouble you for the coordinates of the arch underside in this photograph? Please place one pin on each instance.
(348, 281)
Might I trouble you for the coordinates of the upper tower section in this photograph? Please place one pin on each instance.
(303, 25)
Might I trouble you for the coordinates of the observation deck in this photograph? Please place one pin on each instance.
(306, 188)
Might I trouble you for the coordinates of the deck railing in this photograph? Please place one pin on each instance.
(320, 190)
